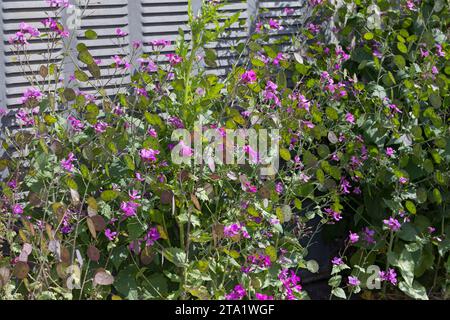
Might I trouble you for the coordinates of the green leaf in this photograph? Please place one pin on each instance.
(339, 292)
(406, 265)
(94, 69)
(285, 154)
(408, 232)
(176, 256)
(444, 247)
(335, 281)
(81, 76)
(135, 230)
(435, 100)
(411, 207)
(312, 266)
(85, 57)
(125, 282)
(415, 290)
(130, 162)
(272, 253)
(210, 57)
(109, 195)
(69, 94)
(331, 113)
(71, 183)
(368, 36)
(281, 80)
(399, 61)
(258, 62)
(91, 34)
(157, 285)
(118, 256)
(402, 47)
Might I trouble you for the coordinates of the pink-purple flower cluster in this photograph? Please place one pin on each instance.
(67, 164)
(129, 208)
(392, 224)
(151, 237)
(24, 34)
(149, 155)
(291, 285)
(389, 276)
(234, 230)
(238, 293)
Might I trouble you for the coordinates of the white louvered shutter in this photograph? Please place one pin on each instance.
(291, 22)
(104, 17)
(237, 33)
(15, 76)
(161, 19)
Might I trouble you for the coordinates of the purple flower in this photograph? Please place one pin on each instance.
(353, 281)
(121, 62)
(403, 180)
(3, 112)
(280, 57)
(249, 76)
(136, 44)
(121, 33)
(174, 59)
(232, 230)
(313, 28)
(149, 154)
(129, 208)
(100, 127)
(439, 51)
(151, 237)
(314, 3)
(12, 184)
(110, 234)
(176, 122)
(333, 214)
(368, 235)
(390, 152)
(288, 11)
(345, 186)
(76, 124)
(31, 94)
(389, 276)
(424, 53)
(279, 188)
(274, 24)
(24, 118)
(353, 237)
(139, 177)
(67, 164)
(337, 261)
(185, 150)
(350, 118)
(59, 3)
(254, 156)
(66, 227)
(134, 195)
(393, 224)
(160, 43)
(54, 26)
(17, 209)
(290, 283)
(263, 297)
(238, 293)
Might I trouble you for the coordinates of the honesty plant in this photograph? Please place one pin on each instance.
(96, 205)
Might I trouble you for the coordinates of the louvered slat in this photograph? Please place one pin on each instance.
(104, 17)
(18, 71)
